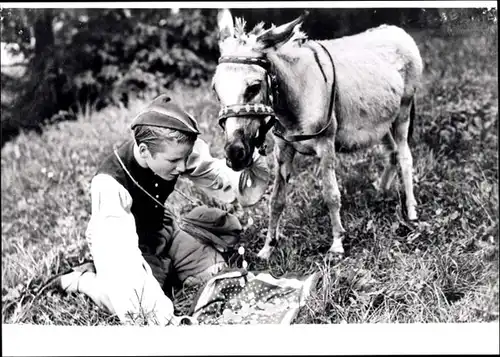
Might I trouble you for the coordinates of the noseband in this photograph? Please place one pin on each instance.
(260, 110)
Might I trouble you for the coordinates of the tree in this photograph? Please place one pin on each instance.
(44, 35)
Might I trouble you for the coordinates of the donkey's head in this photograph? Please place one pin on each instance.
(244, 86)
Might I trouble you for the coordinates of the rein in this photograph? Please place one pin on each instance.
(266, 110)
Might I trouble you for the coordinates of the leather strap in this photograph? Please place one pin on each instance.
(302, 137)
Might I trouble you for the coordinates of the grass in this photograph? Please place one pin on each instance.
(445, 269)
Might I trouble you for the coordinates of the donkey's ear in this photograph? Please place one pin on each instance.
(225, 24)
(277, 36)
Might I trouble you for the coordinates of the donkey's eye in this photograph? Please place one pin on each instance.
(252, 90)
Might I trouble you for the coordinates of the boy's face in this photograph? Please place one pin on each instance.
(170, 161)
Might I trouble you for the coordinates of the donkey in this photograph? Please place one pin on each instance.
(320, 98)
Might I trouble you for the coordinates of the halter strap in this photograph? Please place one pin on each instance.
(255, 109)
(259, 61)
(302, 137)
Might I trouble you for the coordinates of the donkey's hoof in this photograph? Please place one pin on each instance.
(335, 257)
(381, 193)
(336, 248)
(337, 253)
(265, 253)
(412, 214)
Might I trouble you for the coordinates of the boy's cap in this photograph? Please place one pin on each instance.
(162, 112)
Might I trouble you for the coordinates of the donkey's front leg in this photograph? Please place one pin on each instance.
(331, 195)
(283, 155)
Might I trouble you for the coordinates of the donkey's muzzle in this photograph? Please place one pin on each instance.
(238, 155)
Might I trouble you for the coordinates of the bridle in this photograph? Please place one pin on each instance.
(260, 110)
(257, 110)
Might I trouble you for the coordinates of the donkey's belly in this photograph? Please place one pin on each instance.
(350, 139)
(304, 149)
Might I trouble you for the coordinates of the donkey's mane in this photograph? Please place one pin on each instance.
(239, 28)
(244, 38)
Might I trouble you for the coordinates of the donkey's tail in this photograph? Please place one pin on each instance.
(412, 119)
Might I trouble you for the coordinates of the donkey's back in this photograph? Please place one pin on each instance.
(377, 72)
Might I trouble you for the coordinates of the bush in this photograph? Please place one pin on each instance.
(103, 56)
(127, 46)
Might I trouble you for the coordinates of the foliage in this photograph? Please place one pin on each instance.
(105, 56)
(325, 23)
(16, 28)
(444, 269)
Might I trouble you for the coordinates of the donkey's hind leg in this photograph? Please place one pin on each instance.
(401, 129)
(391, 167)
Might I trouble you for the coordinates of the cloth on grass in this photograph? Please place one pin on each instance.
(242, 297)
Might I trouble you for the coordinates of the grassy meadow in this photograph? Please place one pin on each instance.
(443, 269)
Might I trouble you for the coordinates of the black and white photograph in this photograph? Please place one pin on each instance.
(218, 172)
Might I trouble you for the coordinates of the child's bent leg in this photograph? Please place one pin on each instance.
(194, 261)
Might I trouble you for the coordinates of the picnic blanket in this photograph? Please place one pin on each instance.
(243, 297)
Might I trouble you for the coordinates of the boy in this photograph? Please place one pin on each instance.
(132, 235)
